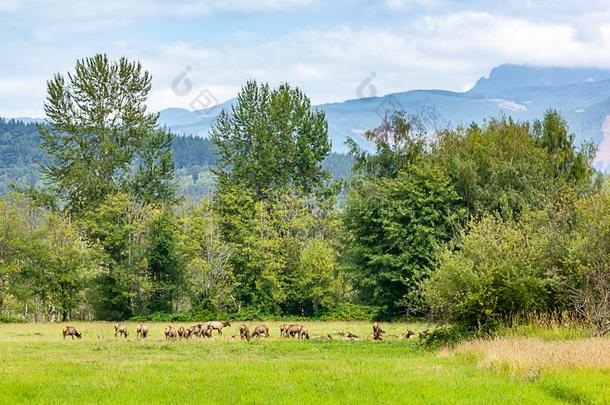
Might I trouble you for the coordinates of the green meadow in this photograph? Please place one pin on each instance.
(38, 366)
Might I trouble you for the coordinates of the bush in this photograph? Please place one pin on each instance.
(498, 275)
(351, 312)
(11, 319)
(446, 336)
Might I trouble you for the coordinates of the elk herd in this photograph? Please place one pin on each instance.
(205, 330)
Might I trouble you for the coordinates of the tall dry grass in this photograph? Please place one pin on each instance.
(534, 353)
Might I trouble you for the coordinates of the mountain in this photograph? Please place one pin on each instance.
(582, 95)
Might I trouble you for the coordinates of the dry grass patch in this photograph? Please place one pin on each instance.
(534, 353)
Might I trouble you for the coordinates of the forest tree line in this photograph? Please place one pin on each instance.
(482, 225)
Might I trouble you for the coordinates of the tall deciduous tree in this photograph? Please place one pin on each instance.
(271, 141)
(100, 138)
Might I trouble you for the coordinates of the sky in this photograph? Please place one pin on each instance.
(327, 48)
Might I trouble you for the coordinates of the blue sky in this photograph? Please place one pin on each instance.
(326, 48)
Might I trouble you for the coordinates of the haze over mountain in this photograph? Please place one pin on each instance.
(582, 95)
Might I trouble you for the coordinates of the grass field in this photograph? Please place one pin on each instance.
(36, 365)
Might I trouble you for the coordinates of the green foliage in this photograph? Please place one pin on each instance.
(498, 274)
(346, 311)
(44, 264)
(271, 141)
(11, 319)
(398, 227)
(99, 137)
(446, 336)
(164, 266)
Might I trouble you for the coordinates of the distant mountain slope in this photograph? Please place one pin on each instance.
(582, 95)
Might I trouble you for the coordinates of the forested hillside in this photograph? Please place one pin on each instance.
(21, 153)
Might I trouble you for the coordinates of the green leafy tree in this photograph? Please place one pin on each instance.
(164, 266)
(272, 140)
(99, 130)
(397, 229)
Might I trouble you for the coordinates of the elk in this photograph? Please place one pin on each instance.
(304, 334)
(261, 331)
(121, 330)
(409, 334)
(423, 334)
(348, 335)
(283, 330)
(293, 330)
(377, 331)
(71, 331)
(170, 332)
(184, 333)
(244, 332)
(142, 331)
(217, 325)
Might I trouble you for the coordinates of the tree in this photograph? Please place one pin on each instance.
(163, 264)
(99, 133)
(271, 141)
(397, 229)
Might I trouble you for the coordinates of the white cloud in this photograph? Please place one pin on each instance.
(442, 45)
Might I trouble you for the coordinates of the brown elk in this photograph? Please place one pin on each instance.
(377, 331)
(293, 330)
(304, 334)
(170, 332)
(409, 334)
(120, 329)
(244, 332)
(217, 325)
(184, 333)
(423, 334)
(348, 335)
(283, 328)
(142, 331)
(71, 331)
(261, 331)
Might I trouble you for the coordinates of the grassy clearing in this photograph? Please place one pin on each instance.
(36, 365)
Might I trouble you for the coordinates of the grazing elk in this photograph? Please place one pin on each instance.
(142, 331)
(121, 330)
(184, 333)
(170, 333)
(71, 331)
(304, 334)
(293, 330)
(283, 328)
(244, 332)
(217, 325)
(261, 331)
(197, 329)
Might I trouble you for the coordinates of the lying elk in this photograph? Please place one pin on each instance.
(348, 335)
(217, 325)
(120, 329)
(142, 331)
(261, 331)
(170, 332)
(423, 334)
(71, 331)
(244, 332)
